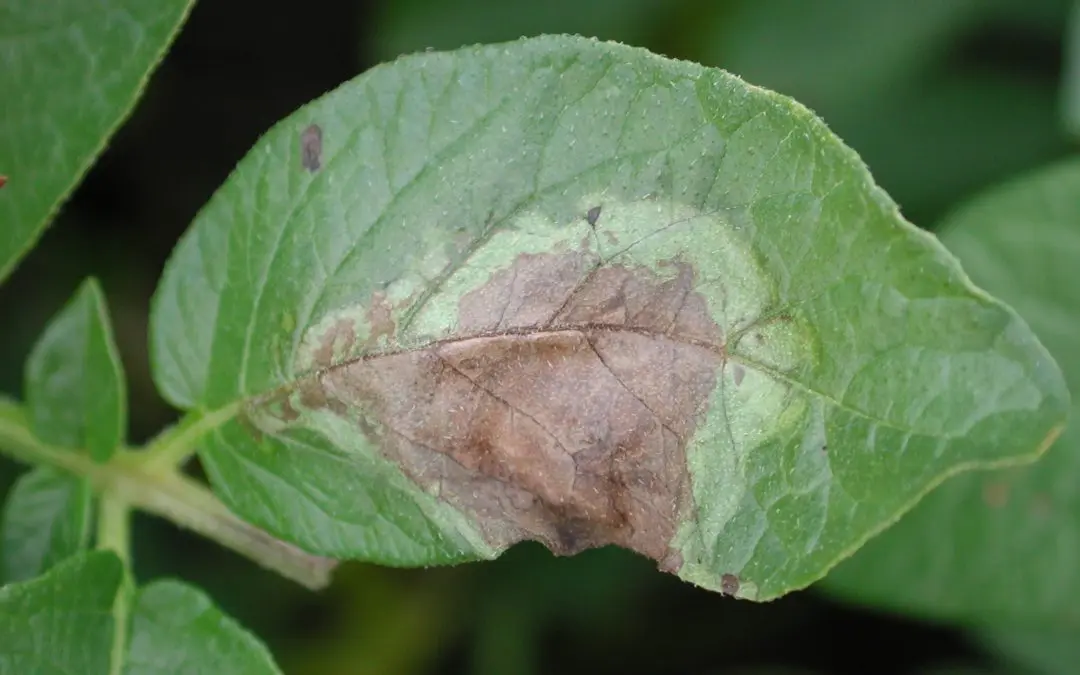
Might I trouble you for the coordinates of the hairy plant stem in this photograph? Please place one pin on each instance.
(176, 444)
(114, 534)
(158, 487)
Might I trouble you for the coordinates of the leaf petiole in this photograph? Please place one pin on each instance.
(114, 534)
(136, 483)
(176, 444)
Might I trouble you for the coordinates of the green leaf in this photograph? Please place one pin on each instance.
(176, 630)
(1034, 651)
(575, 292)
(831, 51)
(46, 520)
(1070, 76)
(75, 381)
(1003, 546)
(416, 25)
(61, 622)
(70, 73)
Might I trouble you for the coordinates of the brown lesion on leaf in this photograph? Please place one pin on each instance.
(561, 410)
(3, 180)
(729, 584)
(339, 339)
(311, 148)
(380, 317)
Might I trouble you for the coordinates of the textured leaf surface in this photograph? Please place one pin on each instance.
(1001, 546)
(70, 71)
(46, 519)
(176, 630)
(574, 292)
(62, 622)
(75, 385)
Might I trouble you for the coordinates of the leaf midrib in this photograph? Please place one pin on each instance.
(236, 408)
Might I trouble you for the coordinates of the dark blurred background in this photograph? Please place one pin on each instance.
(941, 98)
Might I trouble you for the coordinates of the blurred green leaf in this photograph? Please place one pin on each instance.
(176, 630)
(1034, 651)
(1000, 547)
(46, 519)
(1070, 76)
(408, 26)
(70, 71)
(75, 387)
(820, 361)
(61, 622)
(886, 78)
(979, 128)
(828, 52)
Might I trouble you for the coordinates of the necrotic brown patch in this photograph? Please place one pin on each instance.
(561, 413)
(729, 584)
(311, 148)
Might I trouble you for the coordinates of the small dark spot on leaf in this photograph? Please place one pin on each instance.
(824, 447)
(593, 215)
(729, 584)
(737, 373)
(996, 495)
(311, 148)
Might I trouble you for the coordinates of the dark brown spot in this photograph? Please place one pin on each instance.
(3, 181)
(561, 409)
(593, 215)
(311, 148)
(729, 584)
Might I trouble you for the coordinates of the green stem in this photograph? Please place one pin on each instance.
(114, 534)
(114, 527)
(174, 446)
(127, 477)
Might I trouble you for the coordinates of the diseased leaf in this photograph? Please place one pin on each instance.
(176, 630)
(75, 385)
(1000, 547)
(61, 622)
(70, 72)
(574, 292)
(46, 519)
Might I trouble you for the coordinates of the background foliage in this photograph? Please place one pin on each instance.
(941, 98)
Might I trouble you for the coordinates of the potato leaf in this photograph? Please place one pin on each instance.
(46, 519)
(574, 292)
(70, 72)
(1000, 548)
